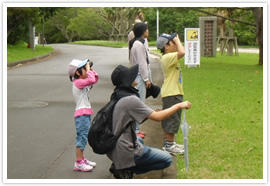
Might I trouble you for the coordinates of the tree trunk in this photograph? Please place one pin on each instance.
(112, 33)
(222, 29)
(66, 35)
(231, 34)
(258, 12)
(31, 35)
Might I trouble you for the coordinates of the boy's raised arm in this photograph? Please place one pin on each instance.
(180, 47)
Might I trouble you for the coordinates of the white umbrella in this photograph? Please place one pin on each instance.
(185, 129)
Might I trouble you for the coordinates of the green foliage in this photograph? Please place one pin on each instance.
(246, 34)
(246, 37)
(114, 23)
(18, 34)
(19, 17)
(226, 119)
(16, 14)
(21, 52)
(48, 12)
(169, 22)
(17, 22)
(51, 32)
(62, 21)
(88, 24)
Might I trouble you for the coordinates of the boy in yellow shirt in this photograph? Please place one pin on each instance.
(172, 88)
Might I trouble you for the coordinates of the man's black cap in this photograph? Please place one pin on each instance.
(123, 75)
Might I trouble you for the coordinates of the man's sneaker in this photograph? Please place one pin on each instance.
(91, 163)
(174, 149)
(82, 167)
(122, 173)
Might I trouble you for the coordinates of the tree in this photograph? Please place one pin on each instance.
(257, 13)
(121, 19)
(46, 13)
(17, 17)
(62, 20)
(88, 24)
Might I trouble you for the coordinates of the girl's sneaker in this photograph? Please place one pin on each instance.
(82, 166)
(91, 163)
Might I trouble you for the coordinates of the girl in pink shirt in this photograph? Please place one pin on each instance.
(83, 77)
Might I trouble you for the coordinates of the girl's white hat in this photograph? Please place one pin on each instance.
(75, 64)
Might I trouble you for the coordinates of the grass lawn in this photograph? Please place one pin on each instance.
(21, 52)
(226, 118)
(125, 44)
(102, 43)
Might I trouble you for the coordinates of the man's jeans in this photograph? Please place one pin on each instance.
(151, 159)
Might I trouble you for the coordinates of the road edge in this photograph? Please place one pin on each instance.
(34, 59)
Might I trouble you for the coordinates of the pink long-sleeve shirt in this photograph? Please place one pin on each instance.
(80, 93)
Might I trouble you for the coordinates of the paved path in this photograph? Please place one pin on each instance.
(41, 132)
(40, 124)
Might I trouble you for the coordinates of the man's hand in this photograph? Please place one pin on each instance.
(185, 105)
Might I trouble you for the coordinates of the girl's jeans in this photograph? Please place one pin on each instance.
(151, 159)
(83, 124)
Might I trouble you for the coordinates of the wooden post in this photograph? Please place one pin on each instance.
(230, 43)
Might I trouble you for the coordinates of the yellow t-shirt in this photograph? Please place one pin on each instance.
(173, 77)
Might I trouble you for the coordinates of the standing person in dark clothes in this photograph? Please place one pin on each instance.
(139, 55)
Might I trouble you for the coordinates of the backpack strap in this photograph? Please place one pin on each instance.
(134, 137)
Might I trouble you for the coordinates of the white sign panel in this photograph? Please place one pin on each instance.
(192, 46)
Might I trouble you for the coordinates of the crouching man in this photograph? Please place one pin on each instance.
(130, 155)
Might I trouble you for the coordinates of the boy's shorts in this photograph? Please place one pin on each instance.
(172, 124)
(82, 128)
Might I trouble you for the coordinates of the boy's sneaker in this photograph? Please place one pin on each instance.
(179, 146)
(91, 163)
(173, 149)
(82, 167)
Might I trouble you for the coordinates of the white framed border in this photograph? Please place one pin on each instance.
(149, 3)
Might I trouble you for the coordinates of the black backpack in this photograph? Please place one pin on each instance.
(100, 136)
